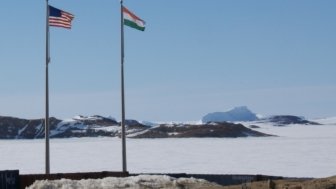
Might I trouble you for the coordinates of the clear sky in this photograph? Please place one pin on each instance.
(195, 57)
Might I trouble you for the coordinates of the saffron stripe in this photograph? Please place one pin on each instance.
(125, 10)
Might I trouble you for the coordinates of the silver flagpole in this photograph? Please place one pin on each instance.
(46, 129)
(123, 134)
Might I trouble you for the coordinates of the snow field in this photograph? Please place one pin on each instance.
(299, 151)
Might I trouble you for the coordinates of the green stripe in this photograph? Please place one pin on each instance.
(133, 25)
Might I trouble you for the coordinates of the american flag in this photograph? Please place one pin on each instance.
(60, 18)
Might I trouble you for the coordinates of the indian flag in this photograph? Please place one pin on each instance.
(132, 20)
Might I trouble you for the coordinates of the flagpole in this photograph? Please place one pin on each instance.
(123, 134)
(46, 129)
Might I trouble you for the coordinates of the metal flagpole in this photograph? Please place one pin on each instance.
(123, 134)
(47, 152)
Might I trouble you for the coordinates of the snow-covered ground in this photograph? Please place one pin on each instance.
(329, 120)
(300, 151)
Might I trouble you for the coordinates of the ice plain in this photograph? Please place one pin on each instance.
(298, 151)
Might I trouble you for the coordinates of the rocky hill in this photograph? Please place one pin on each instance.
(93, 126)
(80, 126)
(283, 120)
(23, 128)
(212, 129)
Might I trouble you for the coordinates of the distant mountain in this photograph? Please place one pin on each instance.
(93, 126)
(282, 120)
(241, 114)
(237, 114)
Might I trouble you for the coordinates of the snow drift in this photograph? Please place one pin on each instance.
(136, 182)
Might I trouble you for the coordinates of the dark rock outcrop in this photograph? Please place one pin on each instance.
(254, 127)
(11, 127)
(212, 129)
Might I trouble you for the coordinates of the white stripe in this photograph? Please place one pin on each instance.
(136, 21)
(60, 18)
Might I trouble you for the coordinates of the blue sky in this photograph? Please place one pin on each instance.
(195, 57)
